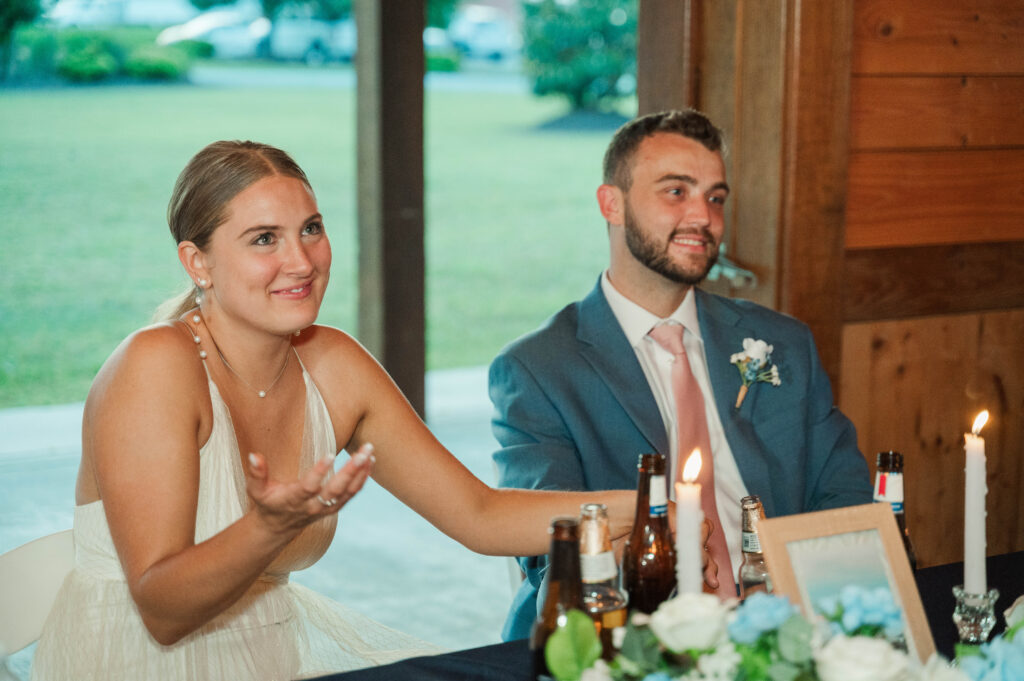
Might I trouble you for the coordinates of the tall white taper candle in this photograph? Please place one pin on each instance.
(974, 508)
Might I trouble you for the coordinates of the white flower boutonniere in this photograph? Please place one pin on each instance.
(755, 365)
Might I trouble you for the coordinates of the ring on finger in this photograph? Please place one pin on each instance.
(326, 502)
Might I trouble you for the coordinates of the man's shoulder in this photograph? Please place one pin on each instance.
(548, 341)
(753, 314)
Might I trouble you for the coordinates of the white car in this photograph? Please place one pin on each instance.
(297, 35)
(236, 31)
(485, 32)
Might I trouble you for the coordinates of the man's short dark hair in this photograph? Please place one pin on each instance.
(685, 122)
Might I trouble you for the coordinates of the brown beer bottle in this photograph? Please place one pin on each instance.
(564, 592)
(605, 604)
(649, 560)
(889, 487)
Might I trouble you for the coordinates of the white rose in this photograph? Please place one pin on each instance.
(756, 349)
(599, 672)
(939, 669)
(690, 622)
(861, 658)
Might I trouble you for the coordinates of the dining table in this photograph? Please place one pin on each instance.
(510, 661)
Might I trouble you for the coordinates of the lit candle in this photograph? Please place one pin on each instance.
(689, 518)
(974, 508)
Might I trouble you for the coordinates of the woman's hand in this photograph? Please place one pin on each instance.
(290, 506)
(710, 566)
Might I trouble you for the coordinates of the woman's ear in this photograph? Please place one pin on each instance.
(194, 262)
(610, 200)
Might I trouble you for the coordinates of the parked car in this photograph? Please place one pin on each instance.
(238, 31)
(297, 34)
(485, 32)
(98, 13)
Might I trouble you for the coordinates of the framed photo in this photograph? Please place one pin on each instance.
(812, 556)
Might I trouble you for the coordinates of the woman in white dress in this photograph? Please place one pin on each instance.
(184, 539)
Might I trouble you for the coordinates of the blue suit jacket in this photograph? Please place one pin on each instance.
(573, 410)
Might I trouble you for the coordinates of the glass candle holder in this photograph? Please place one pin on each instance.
(974, 615)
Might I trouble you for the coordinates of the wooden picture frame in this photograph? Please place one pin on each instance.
(812, 555)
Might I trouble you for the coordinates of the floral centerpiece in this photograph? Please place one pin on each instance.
(858, 636)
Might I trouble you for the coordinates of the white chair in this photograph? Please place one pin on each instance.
(30, 576)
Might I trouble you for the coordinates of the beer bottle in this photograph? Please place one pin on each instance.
(649, 560)
(564, 592)
(601, 596)
(889, 487)
(753, 570)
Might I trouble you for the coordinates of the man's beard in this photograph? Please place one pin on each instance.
(655, 257)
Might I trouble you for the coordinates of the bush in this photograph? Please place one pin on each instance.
(580, 50)
(87, 63)
(156, 63)
(442, 60)
(91, 55)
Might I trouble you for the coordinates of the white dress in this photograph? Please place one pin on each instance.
(275, 631)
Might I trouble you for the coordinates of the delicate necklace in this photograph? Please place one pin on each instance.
(262, 393)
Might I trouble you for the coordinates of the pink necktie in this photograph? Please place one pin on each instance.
(692, 427)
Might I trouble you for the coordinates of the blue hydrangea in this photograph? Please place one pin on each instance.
(999, 660)
(758, 614)
(865, 607)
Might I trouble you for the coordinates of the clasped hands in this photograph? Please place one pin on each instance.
(291, 505)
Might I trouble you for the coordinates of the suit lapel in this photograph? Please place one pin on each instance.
(723, 330)
(605, 346)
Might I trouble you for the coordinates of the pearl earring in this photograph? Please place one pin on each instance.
(202, 282)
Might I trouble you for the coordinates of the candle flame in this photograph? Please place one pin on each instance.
(692, 468)
(979, 422)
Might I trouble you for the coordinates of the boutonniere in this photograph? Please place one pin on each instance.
(755, 365)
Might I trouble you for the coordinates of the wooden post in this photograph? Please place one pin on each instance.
(389, 67)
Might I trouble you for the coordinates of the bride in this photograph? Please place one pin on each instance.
(208, 448)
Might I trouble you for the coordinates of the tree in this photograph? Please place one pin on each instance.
(12, 13)
(579, 49)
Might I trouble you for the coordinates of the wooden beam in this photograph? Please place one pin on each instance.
(894, 283)
(924, 36)
(911, 112)
(909, 198)
(815, 139)
(389, 67)
(664, 55)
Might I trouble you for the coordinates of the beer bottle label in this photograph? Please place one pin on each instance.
(598, 567)
(889, 487)
(751, 543)
(658, 497)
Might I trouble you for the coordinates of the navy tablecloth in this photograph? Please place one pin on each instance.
(511, 661)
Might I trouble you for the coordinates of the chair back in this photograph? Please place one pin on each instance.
(30, 576)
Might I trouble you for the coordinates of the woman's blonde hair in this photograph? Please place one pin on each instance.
(198, 206)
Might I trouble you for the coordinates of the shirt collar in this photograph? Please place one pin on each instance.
(636, 322)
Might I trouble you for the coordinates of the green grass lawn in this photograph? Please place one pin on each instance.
(513, 231)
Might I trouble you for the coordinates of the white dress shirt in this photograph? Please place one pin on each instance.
(656, 363)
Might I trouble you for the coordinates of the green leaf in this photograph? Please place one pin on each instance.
(572, 647)
(780, 670)
(640, 646)
(1012, 631)
(966, 650)
(795, 639)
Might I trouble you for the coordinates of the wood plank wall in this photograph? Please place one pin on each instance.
(933, 294)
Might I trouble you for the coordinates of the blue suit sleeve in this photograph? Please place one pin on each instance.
(837, 472)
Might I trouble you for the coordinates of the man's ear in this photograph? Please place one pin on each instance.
(611, 200)
(194, 262)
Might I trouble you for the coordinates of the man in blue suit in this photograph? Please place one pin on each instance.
(579, 399)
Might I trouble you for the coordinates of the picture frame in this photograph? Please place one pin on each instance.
(811, 556)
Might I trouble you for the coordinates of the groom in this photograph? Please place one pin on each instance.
(578, 400)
